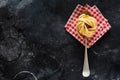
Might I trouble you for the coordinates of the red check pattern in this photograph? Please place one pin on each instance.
(102, 24)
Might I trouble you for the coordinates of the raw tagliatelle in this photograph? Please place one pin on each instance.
(86, 25)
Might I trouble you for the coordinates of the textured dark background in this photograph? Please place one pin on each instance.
(33, 38)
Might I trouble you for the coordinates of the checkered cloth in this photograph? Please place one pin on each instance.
(102, 24)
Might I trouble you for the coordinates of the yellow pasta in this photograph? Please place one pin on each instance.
(86, 25)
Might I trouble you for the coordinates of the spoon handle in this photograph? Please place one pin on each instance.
(86, 70)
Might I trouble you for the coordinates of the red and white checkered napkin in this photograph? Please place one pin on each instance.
(102, 24)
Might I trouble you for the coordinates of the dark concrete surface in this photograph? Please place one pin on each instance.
(33, 38)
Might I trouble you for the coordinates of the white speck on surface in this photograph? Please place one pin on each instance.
(72, 69)
(23, 4)
(3, 3)
(115, 50)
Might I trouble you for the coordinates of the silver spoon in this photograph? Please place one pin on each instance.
(86, 70)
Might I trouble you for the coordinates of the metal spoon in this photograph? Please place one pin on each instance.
(86, 70)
